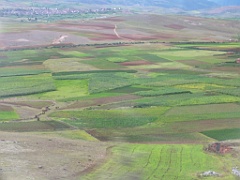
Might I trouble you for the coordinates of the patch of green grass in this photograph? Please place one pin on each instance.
(194, 117)
(108, 81)
(110, 118)
(72, 134)
(8, 115)
(223, 134)
(153, 58)
(21, 71)
(129, 89)
(74, 53)
(33, 126)
(186, 99)
(117, 59)
(181, 54)
(162, 91)
(66, 89)
(229, 91)
(26, 56)
(103, 64)
(142, 161)
(203, 109)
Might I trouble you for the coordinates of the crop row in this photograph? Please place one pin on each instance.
(25, 85)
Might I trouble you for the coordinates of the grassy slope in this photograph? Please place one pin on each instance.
(139, 161)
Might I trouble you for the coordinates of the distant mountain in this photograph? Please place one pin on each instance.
(227, 2)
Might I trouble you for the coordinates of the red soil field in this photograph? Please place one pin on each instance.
(175, 26)
(136, 63)
(100, 101)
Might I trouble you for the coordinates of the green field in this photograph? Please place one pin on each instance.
(33, 126)
(223, 134)
(8, 114)
(139, 161)
(155, 96)
(110, 118)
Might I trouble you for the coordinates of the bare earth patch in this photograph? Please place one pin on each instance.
(38, 157)
(136, 63)
(100, 101)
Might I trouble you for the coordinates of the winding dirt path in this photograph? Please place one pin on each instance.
(116, 33)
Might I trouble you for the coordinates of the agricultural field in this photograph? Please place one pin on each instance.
(139, 161)
(151, 97)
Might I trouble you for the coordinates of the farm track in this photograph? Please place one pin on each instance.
(149, 157)
(169, 164)
(115, 32)
(181, 160)
(158, 164)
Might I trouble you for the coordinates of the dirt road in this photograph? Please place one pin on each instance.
(116, 33)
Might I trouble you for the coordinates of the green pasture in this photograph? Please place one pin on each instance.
(74, 54)
(23, 57)
(71, 134)
(143, 161)
(204, 109)
(8, 115)
(182, 54)
(223, 134)
(103, 64)
(21, 71)
(229, 91)
(33, 126)
(186, 99)
(66, 89)
(161, 91)
(181, 129)
(110, 118)
(211, 46)
(67, 64)
(117, 59)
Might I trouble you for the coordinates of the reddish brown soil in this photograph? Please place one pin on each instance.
(193, 62)
(228, 69)
(5, 108)
(104, 37)
(175, 26)
(200, 125)
(113, 19)
(100, 101)
(136, 63)
(220, 148)
(32, 104)
(93, 25)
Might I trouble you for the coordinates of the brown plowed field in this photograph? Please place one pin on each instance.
(100, 101)
(136, 63)
(175, 26)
